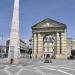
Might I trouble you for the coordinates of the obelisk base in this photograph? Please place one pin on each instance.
(13, 61)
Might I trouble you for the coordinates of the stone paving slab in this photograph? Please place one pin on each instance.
(2, 72)
(57, 67)
(13, 69)
(25, 72)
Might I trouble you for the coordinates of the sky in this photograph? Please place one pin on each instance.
(33, 11)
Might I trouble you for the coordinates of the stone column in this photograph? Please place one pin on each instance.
(35, 40)
(40, 46)
(63, 43)
(58, 45)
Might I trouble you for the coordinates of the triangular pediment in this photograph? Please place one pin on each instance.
(48, 23)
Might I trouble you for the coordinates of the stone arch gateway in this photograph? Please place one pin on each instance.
(49, 45)
(49, 35)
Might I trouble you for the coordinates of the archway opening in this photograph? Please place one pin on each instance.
(49, 45)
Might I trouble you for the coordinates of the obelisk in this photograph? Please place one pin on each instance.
(14, 46)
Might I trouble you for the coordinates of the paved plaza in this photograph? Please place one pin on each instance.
(37, 67)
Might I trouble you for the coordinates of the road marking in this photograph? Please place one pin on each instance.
(7, 72)
(39, 71)
(5, 69)
(30, 70)
(19, 71)
(56, 70)
(61, 67)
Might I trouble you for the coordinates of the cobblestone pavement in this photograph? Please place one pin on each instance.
(57, 67)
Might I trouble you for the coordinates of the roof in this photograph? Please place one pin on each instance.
(49, 23)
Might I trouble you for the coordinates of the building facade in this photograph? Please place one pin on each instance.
(49, 37)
